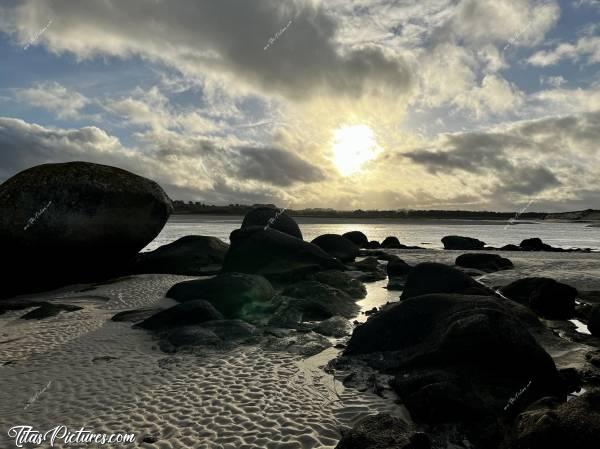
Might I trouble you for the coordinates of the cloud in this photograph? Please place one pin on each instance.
(586, 47)
(53, 97)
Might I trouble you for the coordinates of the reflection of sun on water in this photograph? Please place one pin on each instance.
(353, 146)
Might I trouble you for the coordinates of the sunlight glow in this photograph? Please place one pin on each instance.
(353, 146)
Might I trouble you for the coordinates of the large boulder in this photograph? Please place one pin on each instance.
(337, 246)
(336, 326)
(594, 321)
(431, 277)
(191, 312)
(383, 431)
(553, 424)
(273, 218)
(548, 298)
(342, 281)
(535, 244)
(192, 255)
(75, 222)
(275, 255)
(392, 243)
(462, 243)
(456, 358)
(235, 295)
(397, 268)
(357, 237)
(484, 262)
(314, 293)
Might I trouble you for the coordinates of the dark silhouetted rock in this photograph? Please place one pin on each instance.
(511, 247)
(275, 255)
(191, 312)
(261, 216)
(535, 244)
(47, 310)
(231, 329)
(193, 336)
(232, 294)
(75, 222)
(392, 243)
(357, 237)
(373, 244)
(193, 255)
(431, 277)
(342, 281)
(548, 298)
(397, 267)
(383, 431)
(321, 301)
(484, 262)
(462, 243)
(136, 315)
(337, 246)
(594, 321)
(336, 326)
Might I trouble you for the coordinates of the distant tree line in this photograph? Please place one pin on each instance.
(190, 207)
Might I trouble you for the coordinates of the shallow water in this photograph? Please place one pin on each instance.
(424, 233)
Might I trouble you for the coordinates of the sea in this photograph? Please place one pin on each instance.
(425, 233)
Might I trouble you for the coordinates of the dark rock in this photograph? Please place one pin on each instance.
(75, 222)
(191, 312)
(192, 336)
(275, 255)
(511, 247)
(47, 310)
(392, 243)
(274, 218)
(357, 237)
(135, 316)
(232, 294)
(397, 267)
(462, 243)
(337, 246)
(485, 262)
(230, 329)
(193, 255)
(369, 265)
(18, 304)
(594, 321)
(534, 244)
(552, 424)
(336, 326)
(383, 431)
(321, 301)
(373, 244)
(548, 298)
(431, 277)
(305, 344)
(342, 281)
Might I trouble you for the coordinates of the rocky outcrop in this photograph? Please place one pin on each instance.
(193, 255)
(191, 312)
(392, 243)
(357, 237)
(75, 222)
(594, 321)
(273, 218)
(548, 298)
(484, 262)
(337, 246)
(342, 281)
(397, 268)
(462, 243)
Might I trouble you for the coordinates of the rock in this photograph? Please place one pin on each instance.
(484, 262)
(337, 246)
(342, 281)
(456, 358)
(392, 243)
(232, 294)
(511, 247)
(230, 329)
(136, 315)
(431, 277)
(357, 237)
(75, 222)
(281, 221)
(373, 244)
(395, 283)
(535, 244)
(47, 310)
(193, 336)
(594, 321)
(193, 255)
(305, 344)
(191, 312)
(552, 424)
(336, 326)
(462, 243)
(548, 298)
(383, 431)
(321, 301)
(397, 267)
(275, 255)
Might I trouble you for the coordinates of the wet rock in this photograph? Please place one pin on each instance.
(336, 326)
(337, 246)
(357, 237)
(373, 244)
(191, 312)
(484, 262)
(193, 336)
(535, 244)
(274, 218)
(431, 277)
(372, 267)
(462, 243)
(548, 298)
(231, 329)
(75, 222)
(511, 247)
(320, 301)
(275, 255)
(135, 316)
(383, 431)
(305, 344)
(47, 310)
(232, 294)
(392, 243)
(397, 267)
(342, 281)
(594, 321)
(193, 255)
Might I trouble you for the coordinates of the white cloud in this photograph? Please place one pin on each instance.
(587, 47)
(53, 97)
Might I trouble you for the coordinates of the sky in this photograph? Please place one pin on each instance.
(371, 104)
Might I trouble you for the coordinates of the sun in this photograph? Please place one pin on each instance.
(353, 146)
